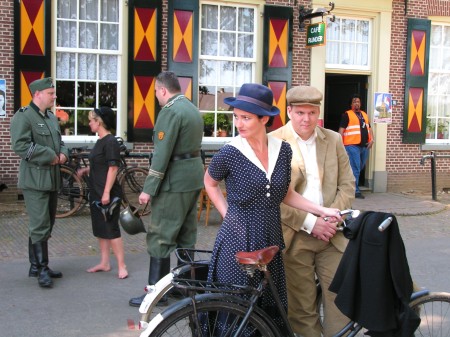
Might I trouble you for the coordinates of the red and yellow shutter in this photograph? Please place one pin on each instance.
(416, 88)
(32, 46)
(183, 26)
(144, 64)
(277, 56)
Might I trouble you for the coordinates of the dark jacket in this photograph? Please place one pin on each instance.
(373, 283)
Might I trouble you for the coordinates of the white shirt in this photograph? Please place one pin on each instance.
(313, 190)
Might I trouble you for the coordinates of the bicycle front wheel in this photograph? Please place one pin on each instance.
(132, 182)
(70, 194)
(434, 312)
(213, 318)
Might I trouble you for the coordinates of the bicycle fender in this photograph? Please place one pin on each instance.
(154, 291)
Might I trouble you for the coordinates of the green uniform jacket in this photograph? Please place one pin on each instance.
(37, 140)
(178, 131)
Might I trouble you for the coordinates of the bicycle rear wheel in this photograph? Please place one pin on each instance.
(434, 312)
(132, 182)
(210, 317)
(70, 194)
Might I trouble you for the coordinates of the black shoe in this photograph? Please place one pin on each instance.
(358, 195)
(52, 273)
(136, 301)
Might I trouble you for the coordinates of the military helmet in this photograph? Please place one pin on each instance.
(131, 221)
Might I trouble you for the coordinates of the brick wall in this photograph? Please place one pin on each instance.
(403, 160)
(9, 161)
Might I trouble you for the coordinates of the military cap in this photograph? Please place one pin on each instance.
(41, 84)
(304, 95)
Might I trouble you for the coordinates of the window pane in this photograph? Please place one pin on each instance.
(87, 66)
(333, 30)
(108, 68)
(348, 30)
(362, 31)
(86, 94)
(83, 128)
(245, 46)
(67, 34)
(209, 42)
(110, 37)
(65, 90)
(246, 20)
(107, 94)
(244, 72)
(227, 44)
(208, 73)
(88, 10)
(65, 65)
(67, 9)
(436, 36)
(226, 73)
(88, 35)
(227, 18)
(210, 17)
(110, 10)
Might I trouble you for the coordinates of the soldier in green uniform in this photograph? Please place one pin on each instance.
(36, 138)
(175, 178)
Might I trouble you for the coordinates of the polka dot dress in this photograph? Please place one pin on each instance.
(253, 218)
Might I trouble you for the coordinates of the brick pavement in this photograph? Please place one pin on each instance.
(72, 236)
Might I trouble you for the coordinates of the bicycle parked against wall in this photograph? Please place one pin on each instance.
(74, 192)
(212, 303)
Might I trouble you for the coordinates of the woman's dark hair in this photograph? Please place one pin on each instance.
(269, 122)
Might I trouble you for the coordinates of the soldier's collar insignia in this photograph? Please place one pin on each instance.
(161, 135)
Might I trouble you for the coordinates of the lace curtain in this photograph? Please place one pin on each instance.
(348, 43)
(80, 24)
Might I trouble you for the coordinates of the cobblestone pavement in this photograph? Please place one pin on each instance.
(83, 304)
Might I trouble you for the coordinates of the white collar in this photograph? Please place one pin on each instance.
(274, 146)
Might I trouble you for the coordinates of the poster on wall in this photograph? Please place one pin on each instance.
(2, 98)
(382, 108)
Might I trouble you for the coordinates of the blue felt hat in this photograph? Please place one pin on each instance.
(254, 98)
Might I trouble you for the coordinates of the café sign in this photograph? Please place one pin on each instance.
(316, 35)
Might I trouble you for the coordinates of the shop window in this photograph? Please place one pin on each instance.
(88, 55)
(348, 43)
(227, 60)
(438, 107)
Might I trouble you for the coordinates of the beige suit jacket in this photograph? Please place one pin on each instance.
(336, 176)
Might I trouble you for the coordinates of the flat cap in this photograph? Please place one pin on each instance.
(304, 95)
(41, 84)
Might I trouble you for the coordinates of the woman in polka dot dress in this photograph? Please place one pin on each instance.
(257, 170)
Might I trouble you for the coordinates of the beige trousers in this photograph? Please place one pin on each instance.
(304, 258)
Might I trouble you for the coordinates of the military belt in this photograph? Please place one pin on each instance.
(185, 156)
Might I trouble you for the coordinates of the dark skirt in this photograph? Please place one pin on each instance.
(105, 229)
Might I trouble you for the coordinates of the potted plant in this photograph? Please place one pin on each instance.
(442, 128)
(431, 126)
(223, 124)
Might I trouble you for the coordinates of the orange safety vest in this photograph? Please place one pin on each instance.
(352, 133)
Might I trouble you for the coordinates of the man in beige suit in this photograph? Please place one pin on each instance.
(321, 173)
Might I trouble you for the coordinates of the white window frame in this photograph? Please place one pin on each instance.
(369, 46)
(254, 60)
(119, 53)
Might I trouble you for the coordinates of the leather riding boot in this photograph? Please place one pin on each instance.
(34, 271)
(159, 267)
(41, 253)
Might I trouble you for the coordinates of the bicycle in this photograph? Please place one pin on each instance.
(209, 302)
(74, 192)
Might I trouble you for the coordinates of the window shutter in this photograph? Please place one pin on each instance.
(416, 79)
(144, 64)
(32, 46)
(277, 56)
(183, 27)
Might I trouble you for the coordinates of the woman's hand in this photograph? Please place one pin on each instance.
(331, 214)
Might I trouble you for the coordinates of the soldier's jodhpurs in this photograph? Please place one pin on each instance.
(41, 209)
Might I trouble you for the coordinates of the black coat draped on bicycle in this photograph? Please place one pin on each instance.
(374, 275)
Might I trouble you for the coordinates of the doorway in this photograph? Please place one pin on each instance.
(338, 92)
